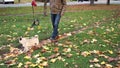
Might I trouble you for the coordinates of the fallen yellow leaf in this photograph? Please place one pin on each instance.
(33, 65)
(85, 53)
(111, 52)
(27, 57)
(44, 64)
(53, 60)
(103, 62)
(19, 65)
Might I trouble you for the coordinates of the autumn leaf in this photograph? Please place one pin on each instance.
(53, 60)
(36, 56)
(56, 49)
(26, 33)
(43, 58)
(108, 30)
(63, 59)
(86, 41)
(8, 55)
(39, 27)
(103, 55)
(40, 66)
(81, 18)
(119, 26)
(28, 29)
(84, 24)
(67, 50)
(1, 64)
(10, 62)
(13, 26)
(96, 52)
(34, 65)
(38, 60)
(45, 63)
(112, 29)
(43, 50)
(97, 65)
(59, 58)
(69, 55)
(69, 34)
(28, 63)
(91, 32)
(107, 41)
(12, 49)
(109, 66)
(45, 47)
(75, 20)
(110, 59)
(27, 57)
(94, 60)
(54, 55)
(103, 62)
(94, 40)
(60, 44)
(19, 65)
(85, 53)
(4, 21)
(71, 25)
(68, 42)
(110, 51)
(39, 31)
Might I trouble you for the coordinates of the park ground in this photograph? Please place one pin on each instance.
(89, 38)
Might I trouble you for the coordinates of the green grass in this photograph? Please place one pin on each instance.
(101, 45)
(16, 26)
(20, 10)
(12, 27)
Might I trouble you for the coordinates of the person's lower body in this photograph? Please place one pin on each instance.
(55, 18)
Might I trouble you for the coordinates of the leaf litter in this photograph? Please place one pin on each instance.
(68, 47)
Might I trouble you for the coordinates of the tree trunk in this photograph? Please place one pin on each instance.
(45, 8)
(19, 1)
(108, 2)
(91, 2)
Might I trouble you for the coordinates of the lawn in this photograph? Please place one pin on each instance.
(97, 46)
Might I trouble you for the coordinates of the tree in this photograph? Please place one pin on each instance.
(45, 6)
(108, 2)
(19, 1)
(91, 2)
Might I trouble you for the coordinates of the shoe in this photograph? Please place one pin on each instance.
(57, 37)
(54, 40)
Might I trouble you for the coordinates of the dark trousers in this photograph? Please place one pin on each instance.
(55, 18)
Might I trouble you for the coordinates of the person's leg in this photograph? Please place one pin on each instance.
(53, 16)
(55, 23)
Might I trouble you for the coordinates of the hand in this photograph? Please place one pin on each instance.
(62, 13)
